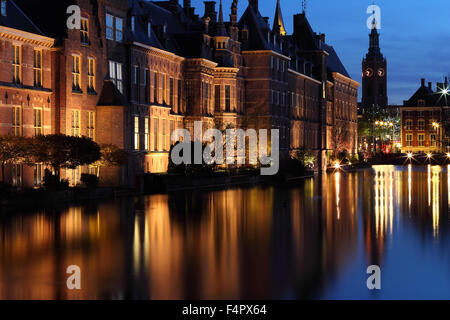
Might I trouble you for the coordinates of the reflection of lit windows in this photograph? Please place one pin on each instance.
(409, 140)
(421, 140)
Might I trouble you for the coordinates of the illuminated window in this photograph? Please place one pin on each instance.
(85, 31)
(17, 64)
(172, 129)
(149, 29)
(147, 86)
(91, 125)
(409, 138)
(75, 123)
(91, 75)
(409, 125)
(147, 133)
(76, 175)
(171, 92)
(433, 140)
(76, 73)
(115, 74)
(3, 5)
(16, 121)
(136, 133)
(38, 174)
(37, 122)
(114, 30)
(421, 125)
(421, 140)
(17, 175)
(37, 67)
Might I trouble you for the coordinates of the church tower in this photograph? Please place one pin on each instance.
(374, 73)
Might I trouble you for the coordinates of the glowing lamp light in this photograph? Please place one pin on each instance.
(445, 91)
(448, 155)
(410, 155)
(337, 166)
(429, 155)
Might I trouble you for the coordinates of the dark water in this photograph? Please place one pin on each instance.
(314, 240)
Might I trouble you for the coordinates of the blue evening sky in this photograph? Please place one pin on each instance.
(415, 35)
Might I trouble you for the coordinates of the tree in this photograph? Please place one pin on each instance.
(111, 156)
(65, 152)
(13, 150)
(341, 139)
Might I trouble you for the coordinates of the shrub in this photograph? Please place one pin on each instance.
(52, 183)
(89, 180)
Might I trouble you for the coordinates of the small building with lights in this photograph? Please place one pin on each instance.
(424, 120)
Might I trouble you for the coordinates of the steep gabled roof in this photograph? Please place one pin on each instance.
(334, 63)
(256, 26)
(17, 19)
(423, 93)
(278, 23)
(111, 96)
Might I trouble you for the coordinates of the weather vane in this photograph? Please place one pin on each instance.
(304, 6)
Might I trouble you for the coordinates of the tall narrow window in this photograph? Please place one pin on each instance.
(38, 174)
(179, 94)
(133, 23)
(3, 8)
(172, 130)
(217, 98)
(17, 64)
(227, 98)
(75, 122)
(147, 133)
(164, 135)
(37, 122)
(409, 138)
(119, 29)
(76, 73)
(171, 92)
(37, 67)
(155, 88)
(149, 29)
(17, 175)
(136, 133)
(91, 75)
(163, 81)
(115, 74)
(109, 27)
(155, 134)
(91, 125)
(147, 86)
(84, 31)
(421, 140)
(16, 121)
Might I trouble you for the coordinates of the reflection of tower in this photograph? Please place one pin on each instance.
(374, 73)
(379, 220)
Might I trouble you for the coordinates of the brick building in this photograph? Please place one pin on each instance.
(138, 70)
(424, 120)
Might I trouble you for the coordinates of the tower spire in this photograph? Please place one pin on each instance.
(304, 6)
(278, 23)
(221, 31)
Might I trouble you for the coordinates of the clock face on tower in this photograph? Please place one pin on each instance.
(368, 73)
(381, 72)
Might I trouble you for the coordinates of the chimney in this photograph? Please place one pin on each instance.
(210, 10)
(430, 85)
(322, 37)
(254, 4)
(186, 4)
(423, 82)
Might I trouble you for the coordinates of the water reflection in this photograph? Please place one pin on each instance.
(313, 240)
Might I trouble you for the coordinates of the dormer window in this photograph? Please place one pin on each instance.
(149, 29)
(3, 7)
(133, 23)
